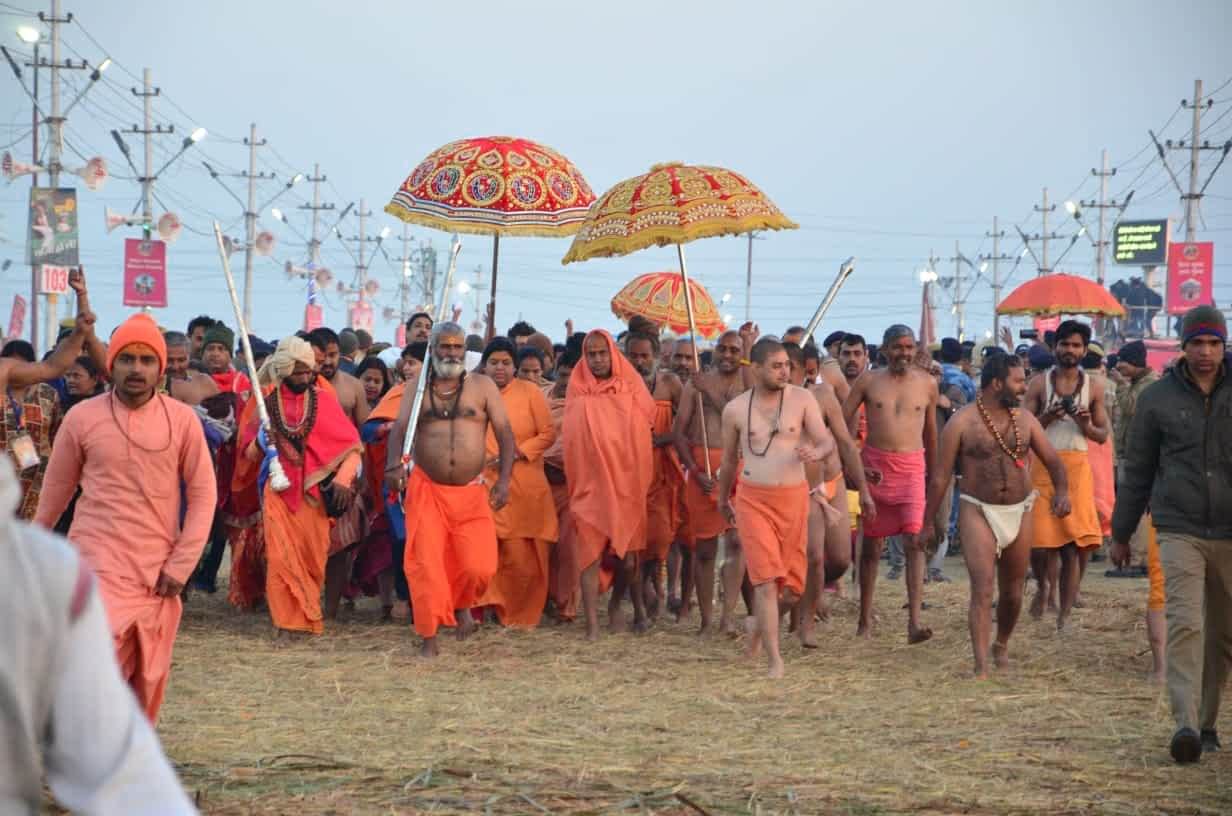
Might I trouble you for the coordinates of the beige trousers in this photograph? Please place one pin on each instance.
(1198, 580)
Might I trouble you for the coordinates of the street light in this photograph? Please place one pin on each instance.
(727, 296)
(463, 287)
(277, 213)
(928, 276)
(29, 34)
(1072, 209)
(197, 135)
(384, 233)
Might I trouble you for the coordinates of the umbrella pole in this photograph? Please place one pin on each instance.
(492, 299)
(697, 360)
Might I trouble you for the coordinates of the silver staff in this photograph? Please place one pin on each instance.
(844, 272)
(441, 312)
(277, 477)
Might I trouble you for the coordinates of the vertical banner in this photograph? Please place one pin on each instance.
(1046, 324)
(145, 273)
(314, 317)
(1191, 273)
(17, 317)
(361, 316)
(53, 237)
(400, 336)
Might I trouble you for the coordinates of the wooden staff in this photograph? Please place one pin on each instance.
(697, 360)
(277, 476)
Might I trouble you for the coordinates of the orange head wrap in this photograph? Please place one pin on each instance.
(140, 328)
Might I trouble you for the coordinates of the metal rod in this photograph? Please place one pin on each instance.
(697, 360)
(491, 332)
(277, 477)
(412, 422)
(844, 272)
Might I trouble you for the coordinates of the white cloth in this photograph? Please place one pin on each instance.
(1064, 433)
(65, 711)
(1005, 520)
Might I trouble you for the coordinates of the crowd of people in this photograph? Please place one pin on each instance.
(657, 471)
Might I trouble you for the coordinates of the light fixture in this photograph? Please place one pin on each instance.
(463, 287)
(277, 213)
(954, 309)
(728, 319)
(198, 134)
(1082, 230)
(928, 275)
(384, 233)
(983, 267)
(1071, 208)
(104, 65)
(1024, 252)
(987, 334)
(29, 34)
(726, 297)
(297, 178)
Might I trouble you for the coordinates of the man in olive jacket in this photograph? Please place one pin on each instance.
(1179, 460)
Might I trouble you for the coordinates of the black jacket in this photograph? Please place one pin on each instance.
(1179, 459)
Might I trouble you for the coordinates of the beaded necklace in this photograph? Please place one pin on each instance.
(299, 433)
(1018, 453)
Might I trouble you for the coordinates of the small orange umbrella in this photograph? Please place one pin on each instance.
(659, 297)
(1059, 293)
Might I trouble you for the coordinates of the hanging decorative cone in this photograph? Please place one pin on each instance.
(495, 185)
(1058, 294)
(659, 297)
(673, 204)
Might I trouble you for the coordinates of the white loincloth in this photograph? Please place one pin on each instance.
(1005, 520)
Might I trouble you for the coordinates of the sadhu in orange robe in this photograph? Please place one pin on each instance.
(663, 503)
(295, 524)
(526, 527)
(563, 571)
(127, 522)
(608, 458)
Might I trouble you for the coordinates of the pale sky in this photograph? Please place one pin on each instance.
(887, 130)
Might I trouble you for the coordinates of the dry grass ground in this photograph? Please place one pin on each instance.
(542, 722)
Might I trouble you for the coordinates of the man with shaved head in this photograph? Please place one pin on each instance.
(900, 403)
(698, 432)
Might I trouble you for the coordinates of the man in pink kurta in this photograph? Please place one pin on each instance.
(133, 451)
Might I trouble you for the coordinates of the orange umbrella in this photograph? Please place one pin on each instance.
(659, 297)
(1060, 294)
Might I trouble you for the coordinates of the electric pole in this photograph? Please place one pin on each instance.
(250, 217)
(1101, 242)
(404, 285)
(477, 291)
(316, 208)
(959, 296)
(148, 129)
(995, 259)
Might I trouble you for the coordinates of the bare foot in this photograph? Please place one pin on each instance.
(466, 625)
(864, 630)
(1001, 655)
(753, 649)
(1037, 607)
(728, 628)
(641, 626)
(401, 611)
(918, 635)
(706, 629)
(592, 632)
(776, 670)
(616, 621)
(981, 673)
(1156, 678)
(823, 609)
(429, 648)
(808, 636)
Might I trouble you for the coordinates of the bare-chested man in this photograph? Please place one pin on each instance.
(991, 440)
(900, 403)
(348, 529)
(1071, 407)
(713, 390)
(764, 431)
(829, 521)
(662, 516)
(450, 534)
(182, 383)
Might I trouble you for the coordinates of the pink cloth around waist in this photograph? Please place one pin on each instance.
(902, 475)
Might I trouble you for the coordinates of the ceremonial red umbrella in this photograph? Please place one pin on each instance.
(495, 185)
(1058, 294)
(659, 297)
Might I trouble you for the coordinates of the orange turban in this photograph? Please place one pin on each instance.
(140, 328)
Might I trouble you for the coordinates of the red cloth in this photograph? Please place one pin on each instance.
(898, 483)
(608, 453)
(332, 437)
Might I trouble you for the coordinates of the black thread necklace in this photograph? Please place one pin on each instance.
(774, 428)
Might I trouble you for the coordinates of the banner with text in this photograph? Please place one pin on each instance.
(1140, 243)
(145, 273)
(53, 235)
(1191, 278)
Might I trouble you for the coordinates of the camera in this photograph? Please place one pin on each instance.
(1067, 402)
(1028, 334)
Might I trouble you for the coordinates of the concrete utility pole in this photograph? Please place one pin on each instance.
(1101, 242)
(361, 268)
(404, 285)
(959, 295)
(147, 130)
(748, 282)
(1044, 235)
(1193, 196)
(250, 218)
(316, 208)
(55, 149)
(995, 259)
